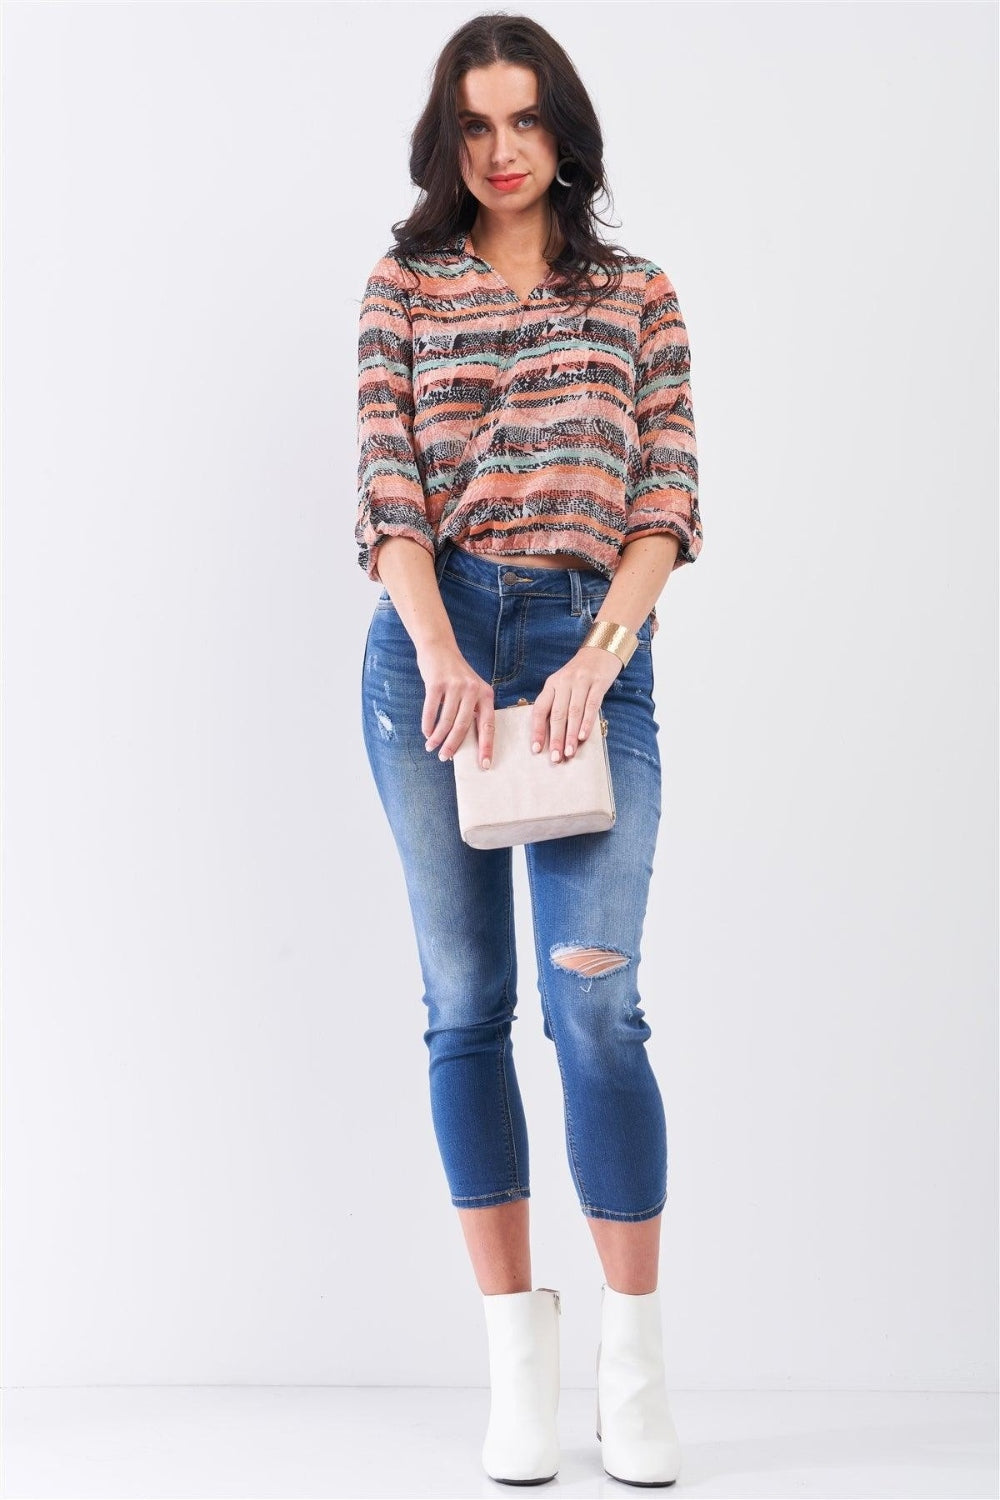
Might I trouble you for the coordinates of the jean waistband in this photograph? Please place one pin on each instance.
(504, 578)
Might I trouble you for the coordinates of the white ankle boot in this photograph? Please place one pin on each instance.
(639, 1442)
(522, 1443)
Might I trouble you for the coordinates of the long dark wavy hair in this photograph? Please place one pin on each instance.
(438, 149)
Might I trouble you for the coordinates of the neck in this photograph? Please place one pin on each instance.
(517, 240)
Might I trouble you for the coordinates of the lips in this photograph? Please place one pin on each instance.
(511, 177)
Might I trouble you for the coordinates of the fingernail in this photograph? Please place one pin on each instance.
(555, 755)
(486, 763)
(569, 749)
(535, 747)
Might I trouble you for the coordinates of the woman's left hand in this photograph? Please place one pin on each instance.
(566, 709)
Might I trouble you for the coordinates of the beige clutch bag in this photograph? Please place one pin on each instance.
(523, 798)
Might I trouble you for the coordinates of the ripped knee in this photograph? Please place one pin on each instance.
(589, 961)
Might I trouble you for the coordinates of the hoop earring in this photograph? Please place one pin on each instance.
(561, 180)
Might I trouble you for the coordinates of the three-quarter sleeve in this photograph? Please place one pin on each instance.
(665, 495)
(390, 493)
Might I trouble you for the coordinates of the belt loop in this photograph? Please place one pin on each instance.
(575, 592)
(442, 559)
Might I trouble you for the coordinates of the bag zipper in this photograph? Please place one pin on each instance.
(607, 762)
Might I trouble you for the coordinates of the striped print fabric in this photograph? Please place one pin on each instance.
(522, 426)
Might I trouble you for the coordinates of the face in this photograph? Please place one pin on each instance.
(504, 135)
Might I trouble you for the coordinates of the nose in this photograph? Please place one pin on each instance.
(503, 155)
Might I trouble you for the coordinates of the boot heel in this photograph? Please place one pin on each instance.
(598, 1388)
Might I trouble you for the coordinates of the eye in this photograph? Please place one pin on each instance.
(472, 128)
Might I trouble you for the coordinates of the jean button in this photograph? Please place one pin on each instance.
(510, 577)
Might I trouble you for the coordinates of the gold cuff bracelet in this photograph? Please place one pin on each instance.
(617, 639)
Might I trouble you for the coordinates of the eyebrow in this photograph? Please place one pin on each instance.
(464, 114)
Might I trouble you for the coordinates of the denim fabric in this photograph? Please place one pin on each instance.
(515, 625)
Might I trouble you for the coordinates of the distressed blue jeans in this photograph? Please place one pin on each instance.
(516, 625)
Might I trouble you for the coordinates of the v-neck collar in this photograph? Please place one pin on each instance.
(462, 243)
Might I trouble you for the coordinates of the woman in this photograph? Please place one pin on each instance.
(527, 469)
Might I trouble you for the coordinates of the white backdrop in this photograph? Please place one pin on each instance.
(218, 1158)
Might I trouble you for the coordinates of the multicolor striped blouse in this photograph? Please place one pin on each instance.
(517, 426)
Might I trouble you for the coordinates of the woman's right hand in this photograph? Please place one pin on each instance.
(462, 696)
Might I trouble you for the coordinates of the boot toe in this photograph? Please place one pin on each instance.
(652, 1461)
(525, 1458)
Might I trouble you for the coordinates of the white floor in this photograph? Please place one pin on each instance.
(299, 1441)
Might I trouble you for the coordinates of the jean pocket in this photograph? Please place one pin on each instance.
(592, 604)
(644, 634)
